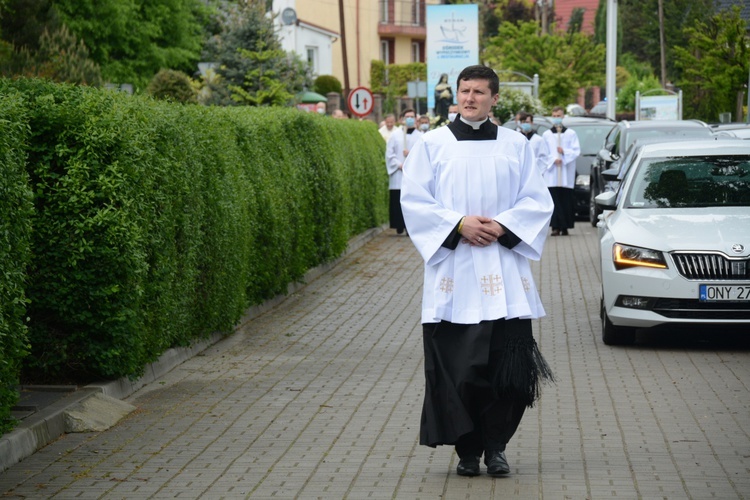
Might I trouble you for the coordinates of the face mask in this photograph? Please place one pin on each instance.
(424, 127)
(409, 122)
(556, 120)
(526, 127)
(321, 111)
(452, 116)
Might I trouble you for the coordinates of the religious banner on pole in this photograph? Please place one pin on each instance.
(452, 44)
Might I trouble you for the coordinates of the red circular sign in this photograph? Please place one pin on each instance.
(360, 101)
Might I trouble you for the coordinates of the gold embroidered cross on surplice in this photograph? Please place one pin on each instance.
(492, 284)
(446, 285)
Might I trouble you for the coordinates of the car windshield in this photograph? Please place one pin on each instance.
(708, 181)
(591, 137)
(667, 133)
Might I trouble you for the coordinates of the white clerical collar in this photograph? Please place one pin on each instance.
(474, 125)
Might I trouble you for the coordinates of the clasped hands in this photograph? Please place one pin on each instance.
(480, 231)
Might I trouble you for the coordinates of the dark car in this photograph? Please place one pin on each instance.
(619, 139)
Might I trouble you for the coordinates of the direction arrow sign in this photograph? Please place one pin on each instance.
(360, 101)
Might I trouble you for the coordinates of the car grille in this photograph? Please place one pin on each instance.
(695, 309)
(711, 266)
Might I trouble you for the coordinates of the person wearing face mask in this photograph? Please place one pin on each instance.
(320, 108)
(538, 145)
(396, 151)
(560, 174)
(424, 123)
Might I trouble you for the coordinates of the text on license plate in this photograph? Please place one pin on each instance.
(711, 293)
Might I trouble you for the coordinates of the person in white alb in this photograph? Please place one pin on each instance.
(389, 127)
(560, 174)
(538, 145)
(477, 209)
(396, 150)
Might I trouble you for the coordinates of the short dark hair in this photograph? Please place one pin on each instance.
(479, 72)
(407, 110)
(523, 115)
(558, 108)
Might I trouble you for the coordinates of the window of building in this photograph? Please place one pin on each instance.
(312, 59)
(387, 50)
(386, 9)
(417, 51)
(417, 12)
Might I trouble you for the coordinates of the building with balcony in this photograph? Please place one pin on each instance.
(392, 31)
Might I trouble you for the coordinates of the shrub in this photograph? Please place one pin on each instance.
(172, 85)
(15, 229)
(157, 224)
(327, 83)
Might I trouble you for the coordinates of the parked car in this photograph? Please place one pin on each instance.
(738, 130)
(675, 248)
(622, 136)
(591, 133)
(599, 109)
(541, 123)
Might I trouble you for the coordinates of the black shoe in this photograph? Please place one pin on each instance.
(400, 230)
(564, 232)
(468, 466)
(497, 464)
(555, 232)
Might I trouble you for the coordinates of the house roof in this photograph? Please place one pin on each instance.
(564, 9)
(728, 4)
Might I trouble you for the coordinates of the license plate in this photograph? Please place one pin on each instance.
(725, 293)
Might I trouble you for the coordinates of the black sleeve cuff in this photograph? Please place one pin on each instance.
(509, 239)
(451, 242)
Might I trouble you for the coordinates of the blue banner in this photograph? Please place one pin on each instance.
(452, 44)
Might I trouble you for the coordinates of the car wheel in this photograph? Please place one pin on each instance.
(594, 212)
(615, 335)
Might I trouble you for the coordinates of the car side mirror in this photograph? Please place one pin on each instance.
(611, 174)
(606, 155)
(606, 200)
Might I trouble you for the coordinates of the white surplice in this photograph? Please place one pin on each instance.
(445, 179)
(564, 176)
(399, 141)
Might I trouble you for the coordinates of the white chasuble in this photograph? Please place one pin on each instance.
(445, 179)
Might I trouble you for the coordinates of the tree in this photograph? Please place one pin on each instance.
(245, 40)
(133, 39)
(626, 94)
(714, 64)
(563, 62)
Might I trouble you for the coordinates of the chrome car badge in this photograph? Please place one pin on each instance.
(738, 248)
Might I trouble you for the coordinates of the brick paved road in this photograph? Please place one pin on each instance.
(321, 398)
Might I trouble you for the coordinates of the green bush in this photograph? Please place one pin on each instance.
(172, 85)
(15, 229)
(157, 224)
(327, 83)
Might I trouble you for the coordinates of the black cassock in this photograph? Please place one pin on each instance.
(479, 380)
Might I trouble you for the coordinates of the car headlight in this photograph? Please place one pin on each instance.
(583, 180)
(625, 256)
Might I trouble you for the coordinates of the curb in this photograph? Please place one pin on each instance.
(40, 429)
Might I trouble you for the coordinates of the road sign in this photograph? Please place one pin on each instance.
(360, 101)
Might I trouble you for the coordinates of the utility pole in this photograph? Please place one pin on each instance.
(611, 57)
(662, 45)
(343, 50)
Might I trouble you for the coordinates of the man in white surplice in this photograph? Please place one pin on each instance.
(396, 151)
(476, 207)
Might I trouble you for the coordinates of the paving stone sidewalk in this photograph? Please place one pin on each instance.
(321, 396)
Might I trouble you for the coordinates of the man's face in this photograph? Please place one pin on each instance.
(475, 99)
(390, 122)
(558, 113)
(424, 120)
(410, 114)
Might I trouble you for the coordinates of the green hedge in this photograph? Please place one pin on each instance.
(15, 230)
(156, 224)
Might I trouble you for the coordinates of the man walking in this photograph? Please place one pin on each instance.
(477, 209)
(396, 150)
(560, 175)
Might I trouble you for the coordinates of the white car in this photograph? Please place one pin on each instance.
(675, 244)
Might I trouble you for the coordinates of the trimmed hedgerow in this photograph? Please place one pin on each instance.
(156, 224)
(15, 229)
